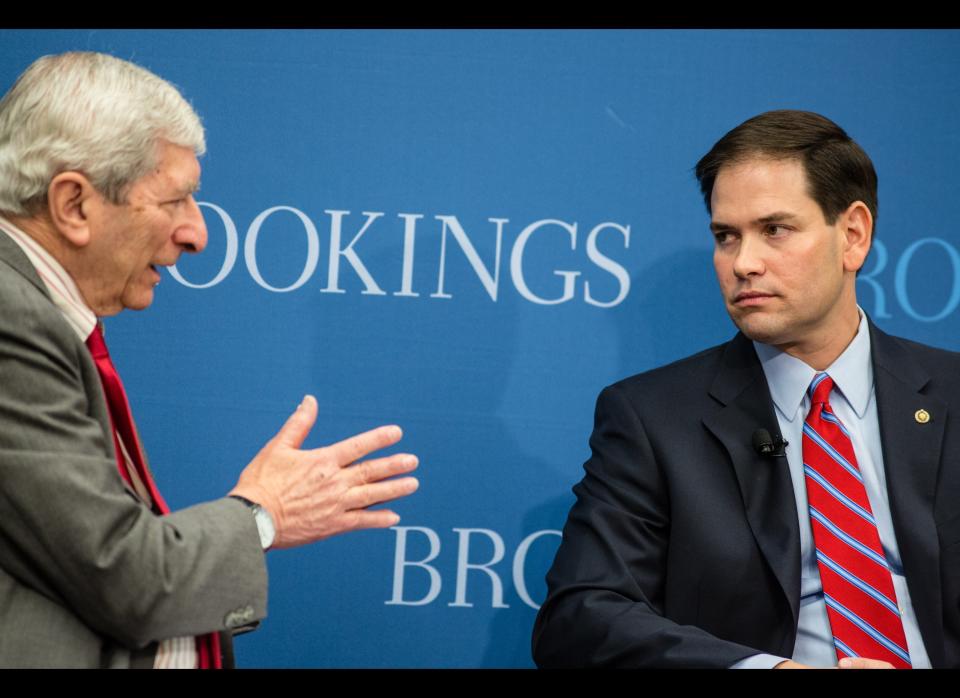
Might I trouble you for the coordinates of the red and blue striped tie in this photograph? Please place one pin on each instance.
(857, 587)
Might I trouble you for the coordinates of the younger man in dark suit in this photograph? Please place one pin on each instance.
(790, 498)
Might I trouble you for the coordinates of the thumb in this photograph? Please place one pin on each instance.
(299, 424)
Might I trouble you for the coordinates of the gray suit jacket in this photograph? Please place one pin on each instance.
(89, 576)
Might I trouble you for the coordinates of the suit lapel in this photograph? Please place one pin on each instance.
(911, 460)
(16, 259)
(765, 486)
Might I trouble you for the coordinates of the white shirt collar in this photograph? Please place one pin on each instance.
(60, 285)
(789, 377)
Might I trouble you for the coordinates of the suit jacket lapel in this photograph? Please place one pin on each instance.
(11, 253)
(765, 486)
(911, 460)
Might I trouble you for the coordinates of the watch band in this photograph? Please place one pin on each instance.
(265, 526)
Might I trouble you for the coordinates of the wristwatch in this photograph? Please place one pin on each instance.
(265, 526)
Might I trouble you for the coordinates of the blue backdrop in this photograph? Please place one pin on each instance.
(470, 233)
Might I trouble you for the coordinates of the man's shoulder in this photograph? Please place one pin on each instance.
(905, 367)
(31, 326)
(16, 288)
(892, 352)
(693, 373)
(23, 301)
(924, 351)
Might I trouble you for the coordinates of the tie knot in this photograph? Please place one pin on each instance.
(820, 388)
(96, 345)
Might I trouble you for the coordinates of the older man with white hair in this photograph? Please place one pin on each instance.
(98, 167)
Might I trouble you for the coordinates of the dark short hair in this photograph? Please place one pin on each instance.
(838, 171)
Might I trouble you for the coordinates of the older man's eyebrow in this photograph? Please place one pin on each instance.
(188, 189)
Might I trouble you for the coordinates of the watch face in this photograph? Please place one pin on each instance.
(264, 526)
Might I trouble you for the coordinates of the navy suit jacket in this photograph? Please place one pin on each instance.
(683, 548)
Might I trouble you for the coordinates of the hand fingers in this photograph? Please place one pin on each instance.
(356, 447)
(367, 495)
(378, 518)
(299, 424)
(863, 663)
(380, 468)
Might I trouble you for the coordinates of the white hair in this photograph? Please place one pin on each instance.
(92, 113)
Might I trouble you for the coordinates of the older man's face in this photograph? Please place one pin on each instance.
(159, 221)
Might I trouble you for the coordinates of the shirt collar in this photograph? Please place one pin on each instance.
(60, 285)
(789, 377)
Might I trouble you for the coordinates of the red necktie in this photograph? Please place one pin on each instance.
(124, 431)
(857, 586)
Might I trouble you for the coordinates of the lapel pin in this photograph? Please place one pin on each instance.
(922, 416)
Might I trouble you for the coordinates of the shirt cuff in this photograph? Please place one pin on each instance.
(759, 661)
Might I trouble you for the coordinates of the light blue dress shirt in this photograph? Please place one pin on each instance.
(854, 401)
